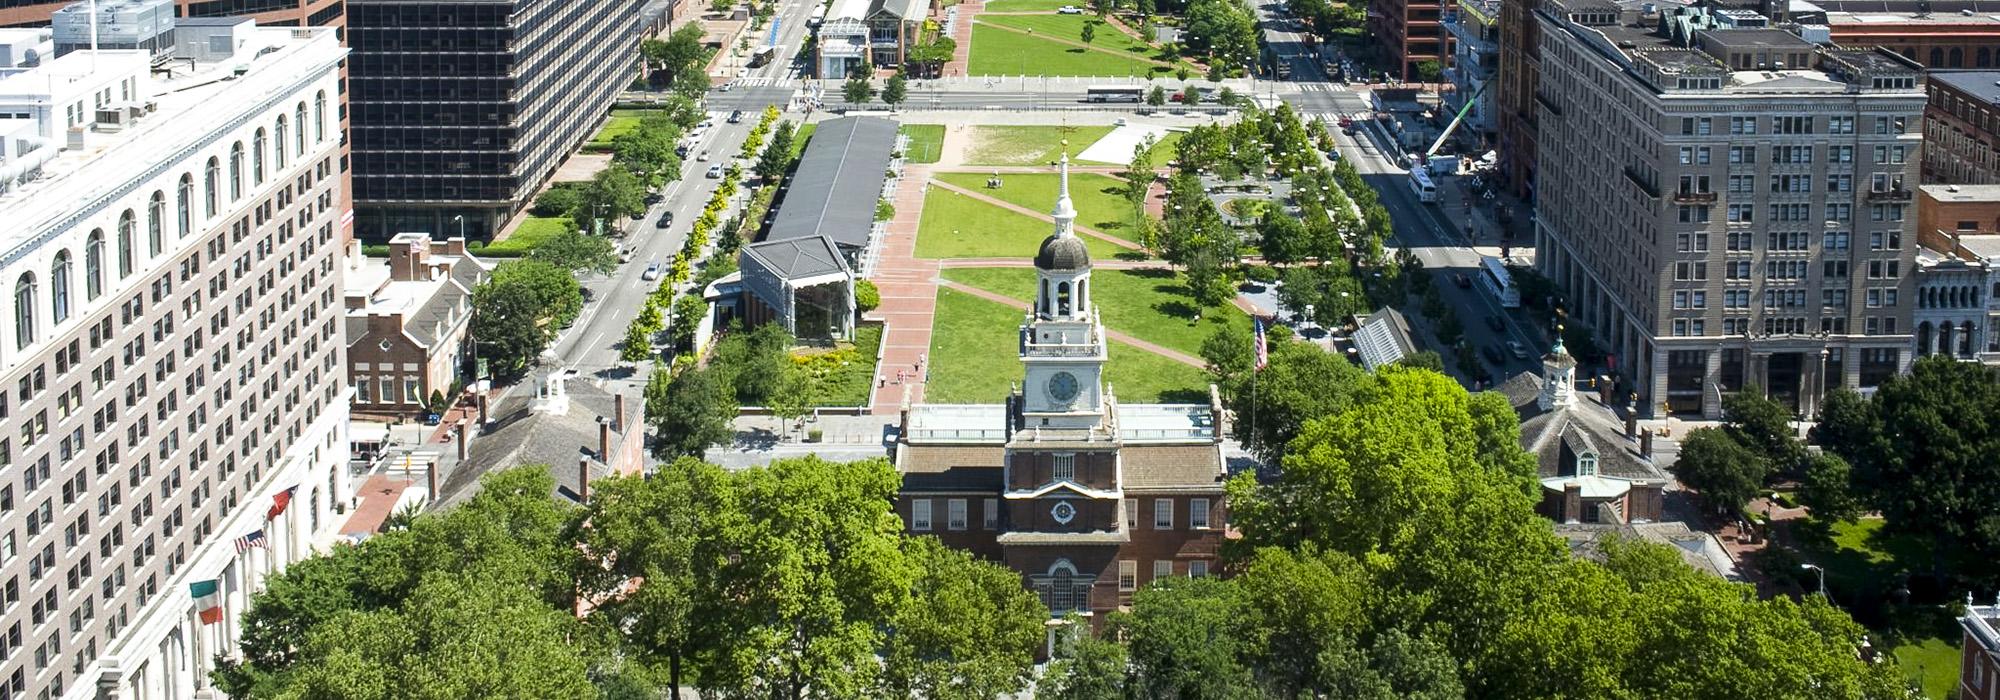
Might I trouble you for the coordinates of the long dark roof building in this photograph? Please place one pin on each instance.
(837, 183)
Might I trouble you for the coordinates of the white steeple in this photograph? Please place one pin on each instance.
(1558, 376)
(1065, 212)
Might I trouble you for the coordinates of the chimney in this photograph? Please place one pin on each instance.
(431, 479)
(604, 440)
(1631, 421)
(454, 245)
(385, 324)
(408, 253)
(483, 420)
(583, 480)
(460, 429)
(1646, 445)
(618, 412)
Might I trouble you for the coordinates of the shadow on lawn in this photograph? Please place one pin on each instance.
(1886, 581)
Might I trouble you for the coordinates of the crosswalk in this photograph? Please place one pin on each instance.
(767, 81)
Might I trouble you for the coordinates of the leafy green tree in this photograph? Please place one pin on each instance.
(857, 89)
(577, 252)
(1827, 488)
(896, 90)
(1157, 96)
(1089, 32)
(1727, 472)
(1763, 424)
(1182, 642)
(686, 316)
(1139, 175)
(517, 312)
(969, 629)
(866, 296)
(796, 392)
(777, 155)
(1429, 71)
(557, 201)
(1225, 31)
(691, 411)
(681, 53)
(1086, 668)
(614, 193)
(755, 362)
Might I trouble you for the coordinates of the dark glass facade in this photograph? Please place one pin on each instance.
(465, 108)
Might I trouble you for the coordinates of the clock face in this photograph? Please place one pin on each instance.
(1062, 387)
(1063, 512)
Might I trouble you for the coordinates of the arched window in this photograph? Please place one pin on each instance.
(1045, 297)
(24, 310)
(1062, 298)
(1061, 589)
(125, 244)
(1937, 58)
(211, 191)
(1965, 339)
(236, 171)
(319, 118)
(1586, 464)
(279, 135)
(156, 213)
(93, 265)
(1983, 59)
(59, 288)
(299, 140)
(1957, 57)
(184, 206)
(257, 146)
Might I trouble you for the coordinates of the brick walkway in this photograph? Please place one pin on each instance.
(909, 295)
(378, 498)
(961, 33)
(1039, 216)
(1156, 349)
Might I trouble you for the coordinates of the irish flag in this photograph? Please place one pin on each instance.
(207, 600)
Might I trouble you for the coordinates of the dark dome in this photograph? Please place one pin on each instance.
(1061, 253)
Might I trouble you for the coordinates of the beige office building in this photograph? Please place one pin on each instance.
(1726, 204)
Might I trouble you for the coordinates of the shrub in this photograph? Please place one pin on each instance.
(557, 201)
(866, 296)
(1261, 273)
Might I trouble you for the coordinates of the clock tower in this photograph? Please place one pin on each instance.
(1062, 342)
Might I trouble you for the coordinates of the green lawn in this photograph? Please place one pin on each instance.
(957, 226)
(1028, 145)
(1027, 5)
(1932, 662)
(974, 341)
(800, 136)
(926, 142)
(1099, 199)
(1151, 305)
(997, 51)
(533, 231)
(854, 383)
(1070, 27)
(618, 125)
(1163, 150)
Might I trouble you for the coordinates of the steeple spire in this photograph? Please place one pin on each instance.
(1065, 212)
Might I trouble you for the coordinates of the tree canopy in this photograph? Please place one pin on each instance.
(518, 311)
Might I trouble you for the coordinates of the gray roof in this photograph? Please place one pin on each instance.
(795, 258)
(1172, 467)
(1981, 84)
(1758, 37)
(1384, 338)
(1061, 253)
(520, 436)
(1556, 437)
(838, 181)
(951, 467)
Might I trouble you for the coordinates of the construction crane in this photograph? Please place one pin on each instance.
(1455, 121)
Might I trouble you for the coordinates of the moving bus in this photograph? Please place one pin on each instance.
(1114, 93)
(1422, 185)
(1493, 274)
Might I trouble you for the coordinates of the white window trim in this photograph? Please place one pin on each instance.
(1163, 507)
(1198, 506)
(1128, 574)
(1163, 568)
(920, 514)
(956, 518)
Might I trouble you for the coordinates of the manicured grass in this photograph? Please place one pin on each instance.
(1028, 145)
(532, 232)
(617, 126)
(1151, 305)
(1932, 662)
(1027, 5)
(974, 342)
(1163, 150)
(1099, 199)
(957, 226)
(800, 136)
(926, 142)
(1070, 28)
(997, 51)
(854, 383)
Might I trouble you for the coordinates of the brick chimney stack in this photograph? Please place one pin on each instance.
(460, 430)
(604, 440)
(583, 480)
(409, 256)
(618, 412)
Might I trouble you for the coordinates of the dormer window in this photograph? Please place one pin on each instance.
(1065, 468)
(1586, 464)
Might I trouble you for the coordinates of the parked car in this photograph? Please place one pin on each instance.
(654, 198)
(652, 271)
(1493, 355)
(1461, 280)
(703, 157)
(715, 171)
(1069, 10)
(1496, 324)
(1520, 353)
(736, 117)
(666, 219)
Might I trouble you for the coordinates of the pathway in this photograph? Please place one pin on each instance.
(1154, 348)
(964, 263)
(1113, 170)
(961, 35)
(908, 285)
(1039, 216)
(1074, 43)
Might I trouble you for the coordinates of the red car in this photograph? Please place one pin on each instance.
(1346, 122)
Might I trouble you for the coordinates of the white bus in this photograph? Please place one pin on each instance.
(1493, 274)
(1114, 93)
(1422, 185)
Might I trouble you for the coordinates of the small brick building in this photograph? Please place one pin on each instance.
(1593, 467)
(409, 319)
(1087, 498)
(1979, 661)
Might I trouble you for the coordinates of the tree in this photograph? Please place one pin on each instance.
(895, 90)
(1224, 31)
(1182, 644)
(857, 89)
(1763, 424)
(577, 252)
(681, 53)
(777, 155)
(691, 411)
(686, 316)
(1090, 28)
(1157, 96)
(1283, 238)
(518, 310)
(968, 630)
(1826, 488)
(1727, 472)
(614, 193)
(796, 392)
(1429, 71)
(1086, 668)
(866, 296)
(557, 201)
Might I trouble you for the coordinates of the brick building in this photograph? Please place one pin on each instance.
(1410, 32)
(1514, 97)
(409, 317)
(1087, 498)
(1940, 34)
(1979, 660)
(1961, 118)
(1593, 470)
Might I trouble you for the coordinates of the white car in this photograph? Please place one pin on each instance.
(703, 157)
(1515, 348)
(715, 171)
(652, 271)
(1069, 10)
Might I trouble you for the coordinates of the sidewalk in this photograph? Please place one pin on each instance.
(909, 296)
(961, 35)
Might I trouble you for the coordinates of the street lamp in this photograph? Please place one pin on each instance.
(1815, 568)
(461, 224)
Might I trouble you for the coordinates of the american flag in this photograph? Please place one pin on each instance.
(1263, 345)
(254, 539)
